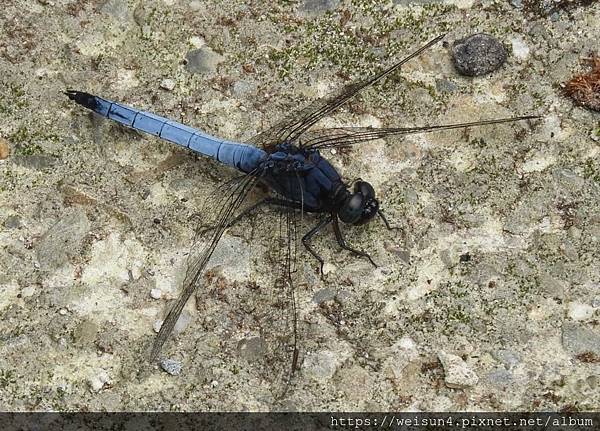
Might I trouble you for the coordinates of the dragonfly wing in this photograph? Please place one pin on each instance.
(268, 319)
(227, 199)
(279, 322)
(348, 136)
(283, 352)
(297, 122)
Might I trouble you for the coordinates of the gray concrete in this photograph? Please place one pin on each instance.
(494, 267)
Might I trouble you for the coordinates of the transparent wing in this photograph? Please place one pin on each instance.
(221, 207)
(347, 136)
(279, 324)
(284, 350)
(257, 317)
(293, 125)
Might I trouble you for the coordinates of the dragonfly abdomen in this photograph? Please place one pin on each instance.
(240, 156)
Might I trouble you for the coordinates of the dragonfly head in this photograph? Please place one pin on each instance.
(361, 206)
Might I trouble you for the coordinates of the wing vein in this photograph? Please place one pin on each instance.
(197, 262)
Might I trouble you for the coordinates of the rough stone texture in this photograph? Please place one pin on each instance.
(62, 240)
(456, 373)
(98, 380)
(252, 348)
(580, 340)
(81, 252)
(168, 84)
(171, 366)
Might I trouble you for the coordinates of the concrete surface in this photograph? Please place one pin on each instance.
(493, 272)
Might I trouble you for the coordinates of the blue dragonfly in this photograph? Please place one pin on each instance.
(287, 159)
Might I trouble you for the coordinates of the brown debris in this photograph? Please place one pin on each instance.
(588, 358)
(584, 89)
(4, 149)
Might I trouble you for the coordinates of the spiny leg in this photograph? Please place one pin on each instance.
(385, 221)
(306, 238)
(245, 212)
(264, 201)
(342, 242)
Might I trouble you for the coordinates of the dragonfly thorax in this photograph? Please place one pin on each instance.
(289, 159)
(304, 176)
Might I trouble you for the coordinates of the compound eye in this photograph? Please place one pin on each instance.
(370, 209)
(352, 209)
(365, 189)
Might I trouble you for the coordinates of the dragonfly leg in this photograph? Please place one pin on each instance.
(385, 221)
(245, 212)
(264, 201)
(342, 242)
(306, 238)
(237, 218)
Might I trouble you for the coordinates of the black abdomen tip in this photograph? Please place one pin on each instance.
(84, 99)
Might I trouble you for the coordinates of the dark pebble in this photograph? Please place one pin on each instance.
(35, 161)
(478, 54)
(203, 60)
(12, 222)
(445, 86)
(252, 349)
(315, 7)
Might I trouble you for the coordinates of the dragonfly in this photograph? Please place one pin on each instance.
(287, 158)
